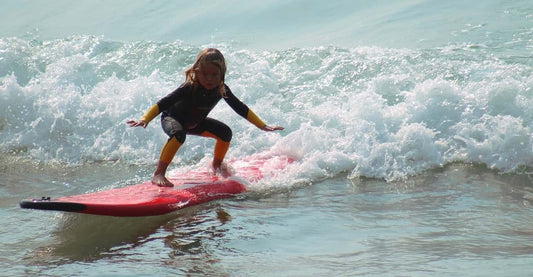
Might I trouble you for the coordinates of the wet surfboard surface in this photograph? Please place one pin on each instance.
(145, 199)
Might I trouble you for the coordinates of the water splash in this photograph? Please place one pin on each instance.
(369, 111)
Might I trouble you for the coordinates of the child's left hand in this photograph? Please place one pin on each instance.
(270, 128)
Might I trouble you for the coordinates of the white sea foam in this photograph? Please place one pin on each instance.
(369, 111)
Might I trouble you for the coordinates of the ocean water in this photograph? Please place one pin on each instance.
(411, 123)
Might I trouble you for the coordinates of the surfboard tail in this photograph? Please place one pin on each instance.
(47, 204)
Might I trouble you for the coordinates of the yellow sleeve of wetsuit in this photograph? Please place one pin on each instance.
(151, 113)
(255, 120)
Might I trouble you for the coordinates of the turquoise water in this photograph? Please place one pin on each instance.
(411, 122)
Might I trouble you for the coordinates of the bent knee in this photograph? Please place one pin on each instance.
(226, 134)
(180, 136)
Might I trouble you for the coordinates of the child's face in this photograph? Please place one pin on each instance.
(209, 76)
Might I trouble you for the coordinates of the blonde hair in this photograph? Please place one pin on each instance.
(212, 56)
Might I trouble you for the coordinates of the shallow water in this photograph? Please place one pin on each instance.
(460, 220)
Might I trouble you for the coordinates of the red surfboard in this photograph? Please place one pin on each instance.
(190, 188)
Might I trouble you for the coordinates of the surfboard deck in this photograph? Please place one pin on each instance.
(145, 199)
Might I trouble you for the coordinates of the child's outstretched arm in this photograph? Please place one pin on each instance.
(247, 113)
(146, 118)
(254, 119)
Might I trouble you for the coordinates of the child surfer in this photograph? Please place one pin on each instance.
(184, 111)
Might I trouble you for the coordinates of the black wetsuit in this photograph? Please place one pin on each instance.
(185, 111)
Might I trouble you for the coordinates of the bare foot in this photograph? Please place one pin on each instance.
(221, 169)
(162, 181)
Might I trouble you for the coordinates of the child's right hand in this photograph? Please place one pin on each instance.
(134, 123)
